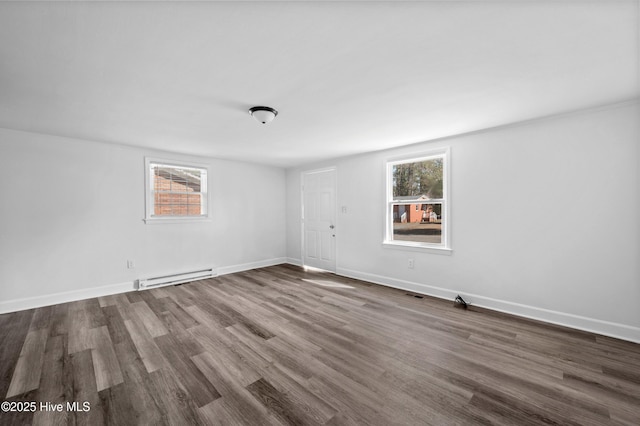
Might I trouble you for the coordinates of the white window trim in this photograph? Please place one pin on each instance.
(388, 242)
(148, 192)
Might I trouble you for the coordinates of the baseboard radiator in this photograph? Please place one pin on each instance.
(173, 279)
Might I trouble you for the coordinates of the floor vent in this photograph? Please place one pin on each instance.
(417, 296)
(459, 302)
(173, 279)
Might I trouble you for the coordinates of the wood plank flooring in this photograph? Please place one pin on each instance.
(280, 346)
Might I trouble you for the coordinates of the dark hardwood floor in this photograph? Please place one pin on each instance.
(282, 346)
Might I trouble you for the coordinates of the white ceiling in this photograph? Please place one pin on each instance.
(346, 77)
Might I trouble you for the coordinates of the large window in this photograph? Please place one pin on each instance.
(175, 191)
(417, 201)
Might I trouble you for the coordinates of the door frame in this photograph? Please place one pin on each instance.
(303, 173)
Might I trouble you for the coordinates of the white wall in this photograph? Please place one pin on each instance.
(560, 241)
(544, 221)
(71, 216)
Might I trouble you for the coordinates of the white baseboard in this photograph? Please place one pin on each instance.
(107, 290)
(606, 328)
(294, 261)
(64, 297)
(224, 270)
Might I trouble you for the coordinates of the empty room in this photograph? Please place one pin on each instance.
(320, 212)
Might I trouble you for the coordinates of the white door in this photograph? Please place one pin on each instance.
(319, 219)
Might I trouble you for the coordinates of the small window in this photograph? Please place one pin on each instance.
(417, 201)
(175, 191)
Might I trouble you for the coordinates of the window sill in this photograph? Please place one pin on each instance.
(445, 251)
(158, 221)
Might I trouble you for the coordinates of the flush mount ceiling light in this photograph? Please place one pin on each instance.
(263, 114)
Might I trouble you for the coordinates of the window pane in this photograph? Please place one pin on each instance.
(177, 190)
(162, 198)
(178, 183)
(423, 225)
(180, 210)
(179, 198)
(161, 182)
(421, 179)
(162, 210)
(193, 180)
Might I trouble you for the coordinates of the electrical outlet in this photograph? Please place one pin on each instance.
(131, 264)
(410, 263)
(344, 209)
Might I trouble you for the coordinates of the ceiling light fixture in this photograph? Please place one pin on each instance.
(263, 114)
